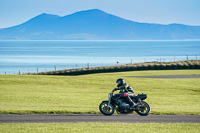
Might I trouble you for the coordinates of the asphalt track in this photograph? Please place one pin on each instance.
(169, 76)
(63, 118)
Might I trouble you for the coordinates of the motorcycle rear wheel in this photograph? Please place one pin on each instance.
(103, 107)
(143, 108)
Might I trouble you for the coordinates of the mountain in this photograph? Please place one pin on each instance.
(95, 25)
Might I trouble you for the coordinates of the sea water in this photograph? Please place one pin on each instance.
(40, 56)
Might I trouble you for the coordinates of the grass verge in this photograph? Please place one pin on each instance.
(83, 94)
(100, 127)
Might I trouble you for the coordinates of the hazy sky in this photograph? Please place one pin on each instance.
(14, 12)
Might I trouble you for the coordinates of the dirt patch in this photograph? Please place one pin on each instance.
(169, 76)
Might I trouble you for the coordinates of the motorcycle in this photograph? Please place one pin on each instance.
(118, 102)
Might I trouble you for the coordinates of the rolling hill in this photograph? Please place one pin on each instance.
(95, 25)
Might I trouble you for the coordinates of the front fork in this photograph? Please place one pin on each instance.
(109, 100)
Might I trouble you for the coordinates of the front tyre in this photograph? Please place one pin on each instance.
(143, 108)
(103, 107)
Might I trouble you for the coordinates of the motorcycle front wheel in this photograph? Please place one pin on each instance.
(103, 107)
(143, 108)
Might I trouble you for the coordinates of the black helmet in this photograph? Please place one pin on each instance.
(120, 82)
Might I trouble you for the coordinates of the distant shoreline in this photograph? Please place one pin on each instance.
(113, 40)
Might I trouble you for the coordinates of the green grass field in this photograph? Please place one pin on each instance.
(100, 128)
(83, 94)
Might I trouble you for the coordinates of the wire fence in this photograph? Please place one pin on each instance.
(120, 61)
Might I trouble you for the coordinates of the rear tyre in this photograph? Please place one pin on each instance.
(143, 108)
(103, 107)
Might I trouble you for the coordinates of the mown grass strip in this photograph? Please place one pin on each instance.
(99, 127)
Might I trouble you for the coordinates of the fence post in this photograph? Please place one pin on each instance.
(88, 65)
(19, 72)
(37, 70)
(55, 68)
(187, 57)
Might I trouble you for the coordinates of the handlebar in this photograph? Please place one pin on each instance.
(114, 90)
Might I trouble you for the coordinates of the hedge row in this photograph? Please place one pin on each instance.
(192, 64)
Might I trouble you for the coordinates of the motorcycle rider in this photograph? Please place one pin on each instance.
(126, 91)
